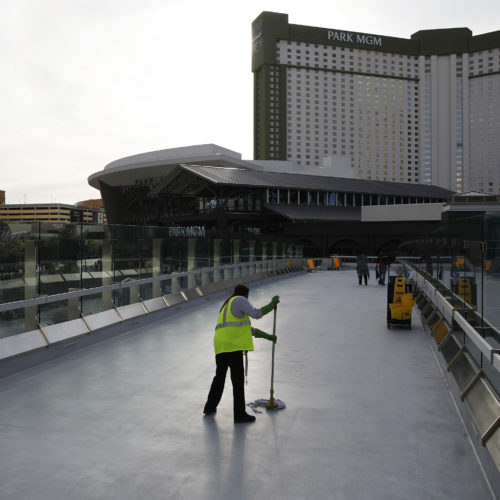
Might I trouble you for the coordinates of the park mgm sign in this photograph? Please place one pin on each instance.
(270, 27)
(359, 38)
(333, 36)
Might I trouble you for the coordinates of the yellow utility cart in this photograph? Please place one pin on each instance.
(400, 302)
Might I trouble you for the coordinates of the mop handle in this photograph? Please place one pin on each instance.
(274, 333)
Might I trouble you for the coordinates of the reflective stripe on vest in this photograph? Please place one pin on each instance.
(232, 323)
(232, 333)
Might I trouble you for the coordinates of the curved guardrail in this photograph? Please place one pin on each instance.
(470, 358)
(20, 350)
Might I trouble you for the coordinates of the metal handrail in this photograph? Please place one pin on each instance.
(438, 299)
(46, 299)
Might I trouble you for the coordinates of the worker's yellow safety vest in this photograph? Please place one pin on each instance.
(232, 333)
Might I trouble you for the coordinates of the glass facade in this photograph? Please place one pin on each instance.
(357, 104)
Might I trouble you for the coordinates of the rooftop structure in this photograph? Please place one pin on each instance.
(213, 187)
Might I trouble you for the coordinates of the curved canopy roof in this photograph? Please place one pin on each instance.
(225, 167)
(254, 178)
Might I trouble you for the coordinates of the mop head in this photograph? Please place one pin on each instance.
(264, 402)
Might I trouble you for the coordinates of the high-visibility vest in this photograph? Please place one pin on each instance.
(232, 333)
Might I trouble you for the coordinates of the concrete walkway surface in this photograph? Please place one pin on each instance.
(368, 416)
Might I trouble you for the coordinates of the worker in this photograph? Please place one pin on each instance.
(382, 268)
(233, 337)
(362, 268)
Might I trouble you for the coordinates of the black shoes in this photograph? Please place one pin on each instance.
(244, 418)
(237, 420)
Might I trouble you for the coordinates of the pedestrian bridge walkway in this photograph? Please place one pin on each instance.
(369, 413)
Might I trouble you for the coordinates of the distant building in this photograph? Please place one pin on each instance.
(424, 110)
(50, 212)
(209, 188)
(2, 197)
(97, 204)
(470, 204)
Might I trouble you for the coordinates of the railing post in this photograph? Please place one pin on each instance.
(73, 306)
(135, 294)
(176, 285)
(157, 247)
(275, 254)
(107, 274)
(30, 281)
(236, 258)
(263, 258)
(205, 277)
(191, 262)
(217, 259)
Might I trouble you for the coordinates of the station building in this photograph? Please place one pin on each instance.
(423, 110)
(210, 188)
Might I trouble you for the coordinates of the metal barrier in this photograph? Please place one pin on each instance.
(21, 350)
(470, 358)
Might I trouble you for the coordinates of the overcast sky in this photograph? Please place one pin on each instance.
(86, 82)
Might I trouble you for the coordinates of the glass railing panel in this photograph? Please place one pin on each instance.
(96, 255)
(203, 253)
(96, 303)
(147, 291)
(31, 276)
(491, 270)
(229, 273)
(12, 286)
(468, 252)
(126, 296)
(59, 259)
(145, 264)
(12, 260)
(47, 259)
(18, 261)
(492, 375)
(473, 350)
(59, 312)
(207, 276)
(166, 286)
(127, 253)
(174, 255)
(13, 322)
(97, 259)
(179, 284)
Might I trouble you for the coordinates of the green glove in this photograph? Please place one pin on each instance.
(263, 335)
(269, 307)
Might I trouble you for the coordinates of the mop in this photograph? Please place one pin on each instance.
(271, 403)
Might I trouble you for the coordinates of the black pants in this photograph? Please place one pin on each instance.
(233, 361)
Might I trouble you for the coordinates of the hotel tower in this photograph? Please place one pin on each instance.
(421, 110)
